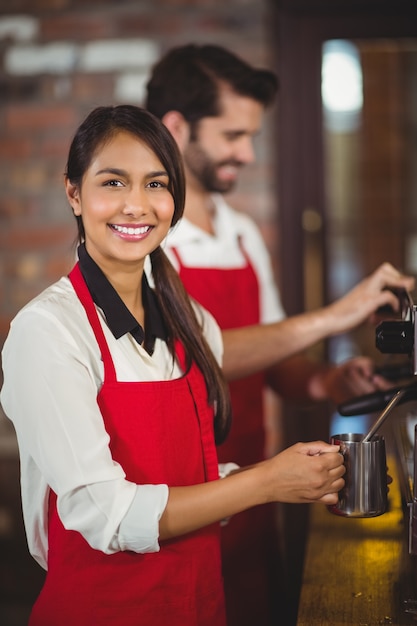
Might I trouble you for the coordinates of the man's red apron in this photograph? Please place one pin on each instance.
(249, 552)
(160, 432)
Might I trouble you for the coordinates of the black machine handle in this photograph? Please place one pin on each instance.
(376, 401)
(397, 371)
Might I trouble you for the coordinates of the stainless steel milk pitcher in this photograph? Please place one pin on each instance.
(365, 491)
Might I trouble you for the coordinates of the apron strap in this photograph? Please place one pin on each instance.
(197, 388)
(177, 256)
(86, 300)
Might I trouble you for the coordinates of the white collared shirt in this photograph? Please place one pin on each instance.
(52, 374)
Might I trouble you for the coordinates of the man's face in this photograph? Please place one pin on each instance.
(223, 144)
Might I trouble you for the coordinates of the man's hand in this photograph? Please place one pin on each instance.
(355, 377)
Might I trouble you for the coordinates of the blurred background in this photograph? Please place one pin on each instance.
(334, 188)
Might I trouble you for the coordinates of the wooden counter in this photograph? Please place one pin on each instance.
(358, 571)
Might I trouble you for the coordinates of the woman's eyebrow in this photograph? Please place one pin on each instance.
(111, 170)
(157, 173)
(118, 172)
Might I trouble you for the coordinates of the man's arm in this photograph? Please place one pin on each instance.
(299, 378)
(255, 348)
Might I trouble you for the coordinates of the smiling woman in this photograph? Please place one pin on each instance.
(118, 403)
(125, 183)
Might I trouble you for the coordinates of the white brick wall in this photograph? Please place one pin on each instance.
(52, 58)
(59, 57)
(129, 59)
(19, 27)
(117, 54)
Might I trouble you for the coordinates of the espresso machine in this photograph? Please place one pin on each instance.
(399, 336)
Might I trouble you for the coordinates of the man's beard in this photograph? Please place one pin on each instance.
(204, 169)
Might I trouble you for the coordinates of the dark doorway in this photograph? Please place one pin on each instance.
(347, 200)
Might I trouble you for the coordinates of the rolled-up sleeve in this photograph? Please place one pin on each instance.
(138, 530)
(50, 394)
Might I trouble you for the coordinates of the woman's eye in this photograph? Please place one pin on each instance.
(155, 184)
(112, 183)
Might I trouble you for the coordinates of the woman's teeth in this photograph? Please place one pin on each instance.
(130, 230)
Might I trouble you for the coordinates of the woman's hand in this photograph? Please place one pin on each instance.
(305, 472)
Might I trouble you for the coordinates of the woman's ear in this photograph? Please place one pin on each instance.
(73, 196)
(178, 127)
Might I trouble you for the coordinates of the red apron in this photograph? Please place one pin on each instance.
(249, 540)
(160, 432)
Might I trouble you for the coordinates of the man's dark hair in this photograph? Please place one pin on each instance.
(187, 79)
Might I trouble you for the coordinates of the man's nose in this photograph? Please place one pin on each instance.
(246, 151)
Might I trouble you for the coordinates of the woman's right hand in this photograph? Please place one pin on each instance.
(304, 472)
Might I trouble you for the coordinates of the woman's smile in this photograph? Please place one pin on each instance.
(131, 232)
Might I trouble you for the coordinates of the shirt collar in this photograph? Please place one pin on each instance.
(226, 226)
(118, 317)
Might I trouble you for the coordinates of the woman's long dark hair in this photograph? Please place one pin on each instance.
(99, 127)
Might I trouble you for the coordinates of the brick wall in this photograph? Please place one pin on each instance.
(61, 58)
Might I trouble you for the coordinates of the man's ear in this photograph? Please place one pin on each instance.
(73, 196)
(178, 127)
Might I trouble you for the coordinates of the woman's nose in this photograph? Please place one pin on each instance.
(136, 202)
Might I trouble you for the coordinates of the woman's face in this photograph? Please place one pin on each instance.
(123, 201)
